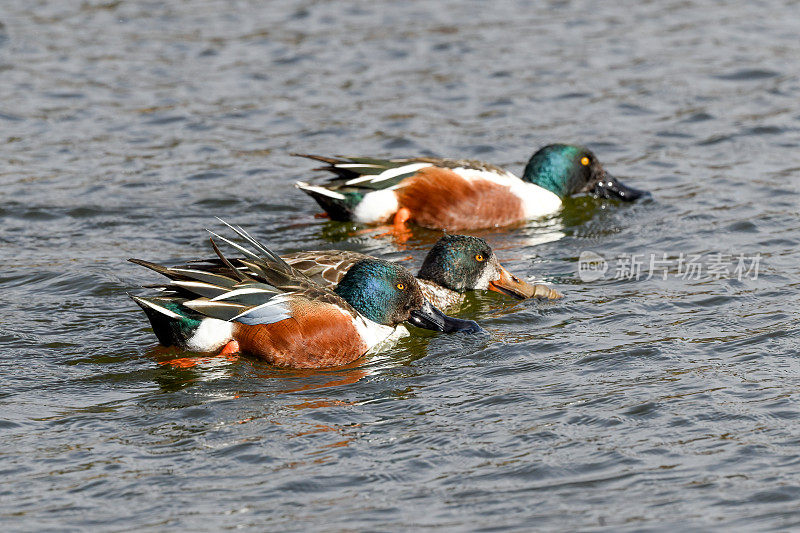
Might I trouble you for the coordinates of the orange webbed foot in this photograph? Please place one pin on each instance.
(398, 229)
(231, 348)
(402, 216)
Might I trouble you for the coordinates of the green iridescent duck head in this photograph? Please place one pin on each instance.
(388, 294)
(462, 263)
(566, 169)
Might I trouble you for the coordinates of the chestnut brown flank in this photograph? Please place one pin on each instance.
(440, 198)
(316, 336)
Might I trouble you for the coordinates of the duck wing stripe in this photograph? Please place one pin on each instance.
(221, 310)
(206, 290)
(268, 291)
(399, 172)
(319, 190)
(181, 274)
(271, 256)
(207, 277)
(284, 281)
(330, 160)
(242, 249)
(353, 168)
(275, 310)
(150, 302)
(239, 275)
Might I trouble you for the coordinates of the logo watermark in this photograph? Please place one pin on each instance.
(593, 266)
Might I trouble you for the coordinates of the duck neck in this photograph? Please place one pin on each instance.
(441, 297)
(547, 180)
(371, 308)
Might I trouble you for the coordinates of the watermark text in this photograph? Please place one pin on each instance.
(592, 266)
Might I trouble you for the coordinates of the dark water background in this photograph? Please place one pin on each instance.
(635, 405)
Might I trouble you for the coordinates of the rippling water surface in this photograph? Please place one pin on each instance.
(646, 404)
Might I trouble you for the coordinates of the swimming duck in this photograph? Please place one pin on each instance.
(460, 194)
(454, 265)
(274, 311)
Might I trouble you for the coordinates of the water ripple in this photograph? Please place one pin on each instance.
(649, 404)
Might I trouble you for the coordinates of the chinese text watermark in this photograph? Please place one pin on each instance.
(592, 266)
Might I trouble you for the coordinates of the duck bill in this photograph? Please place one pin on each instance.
(611, 187)
(429, 317)
(511, 285)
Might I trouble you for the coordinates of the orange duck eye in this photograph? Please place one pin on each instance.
(401, 286)
(479, 258)
(585, 161)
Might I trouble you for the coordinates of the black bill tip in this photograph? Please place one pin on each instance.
(611, 187)
(430, 317)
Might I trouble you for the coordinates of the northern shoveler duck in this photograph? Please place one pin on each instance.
(460, 194)
(454, 265)
(274, 311)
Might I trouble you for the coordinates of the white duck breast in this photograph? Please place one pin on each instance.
(377, 336)
(211, 335)
(376, 206)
